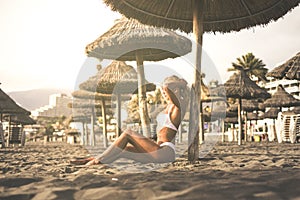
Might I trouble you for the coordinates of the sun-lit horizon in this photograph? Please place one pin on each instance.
(43, 42)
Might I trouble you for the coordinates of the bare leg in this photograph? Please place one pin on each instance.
(133, 146)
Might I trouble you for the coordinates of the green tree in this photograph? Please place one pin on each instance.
(251, 65)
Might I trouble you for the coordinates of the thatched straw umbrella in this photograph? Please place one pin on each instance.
(129, 40)
(289, 70)
(199, 17)
(281, 99)
(272, 113)
(22, 119)
(247, 89)
(222, 16)
(116, 79)
(84, 105)
(9, 106)
(11, 109)
(248, 105)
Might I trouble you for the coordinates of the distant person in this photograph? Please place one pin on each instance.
(137, 147)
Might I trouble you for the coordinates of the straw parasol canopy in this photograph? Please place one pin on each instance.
(289, 70)
(272, 113)
(127, 36)
(239, 85)
(222, 16)
(9, 106)
(117, 78)
(19, 119)
(248, 105)
(252, 116)
(281, 99)
(84, 94)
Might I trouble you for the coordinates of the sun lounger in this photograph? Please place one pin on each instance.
(2, 138)
(287, 127)
(16, 136)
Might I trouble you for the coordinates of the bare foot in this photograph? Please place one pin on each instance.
(81, 161)
(93, 162)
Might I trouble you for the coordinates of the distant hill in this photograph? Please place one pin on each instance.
(33, 99)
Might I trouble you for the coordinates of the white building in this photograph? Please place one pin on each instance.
(58, 106)
(290, 86)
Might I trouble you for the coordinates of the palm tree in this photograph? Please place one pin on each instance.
(251, 65)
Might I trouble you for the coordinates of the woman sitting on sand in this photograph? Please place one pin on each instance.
(137, 147)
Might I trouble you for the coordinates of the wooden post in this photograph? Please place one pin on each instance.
(9, 130)
(104, 123)
(142, 95)
(2, 135)
(240, 121)
(86, 134)
(93, 138)
(196, 105)
(246, 127)
(118, 115)
(23, 136)
(223, 130)
(82, 134)
(180, 133)
(193, 134)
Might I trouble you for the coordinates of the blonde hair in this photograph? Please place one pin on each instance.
(174, 82)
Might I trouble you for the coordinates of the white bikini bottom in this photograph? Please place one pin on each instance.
(169, 144)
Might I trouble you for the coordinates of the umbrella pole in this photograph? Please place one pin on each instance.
(104, 123)
(196, 117)
(93, 139)
(142, 95)
(223, 130)
(240, 121)
(119, 115)
(246, 127)
(82, 135)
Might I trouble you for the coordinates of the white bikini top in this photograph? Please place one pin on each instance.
(168, 123)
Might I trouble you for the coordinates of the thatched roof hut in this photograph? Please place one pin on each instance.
(289, 70)
(222, 16)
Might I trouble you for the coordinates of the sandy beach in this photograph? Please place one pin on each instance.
(250, 171)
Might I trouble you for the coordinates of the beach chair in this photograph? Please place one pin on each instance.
(2, 138)
(297, 128)
(288, 128)
(285, 133)
(16, 136)
(294, 128)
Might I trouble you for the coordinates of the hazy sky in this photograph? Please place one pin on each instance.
(43, 41)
